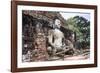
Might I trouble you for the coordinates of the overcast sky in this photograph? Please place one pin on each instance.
(67, 15)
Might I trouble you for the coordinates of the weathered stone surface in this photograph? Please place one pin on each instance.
(45, 15)
(36, 25)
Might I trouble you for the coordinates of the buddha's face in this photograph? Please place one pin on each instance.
(57, 23)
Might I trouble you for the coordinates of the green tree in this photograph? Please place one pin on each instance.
(81, 26)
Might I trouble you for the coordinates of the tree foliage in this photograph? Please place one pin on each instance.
(81, 27)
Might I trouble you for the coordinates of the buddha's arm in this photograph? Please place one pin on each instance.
(50, 38)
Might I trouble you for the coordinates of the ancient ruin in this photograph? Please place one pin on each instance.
(35, 32)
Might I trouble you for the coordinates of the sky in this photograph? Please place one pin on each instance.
(67, 15)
